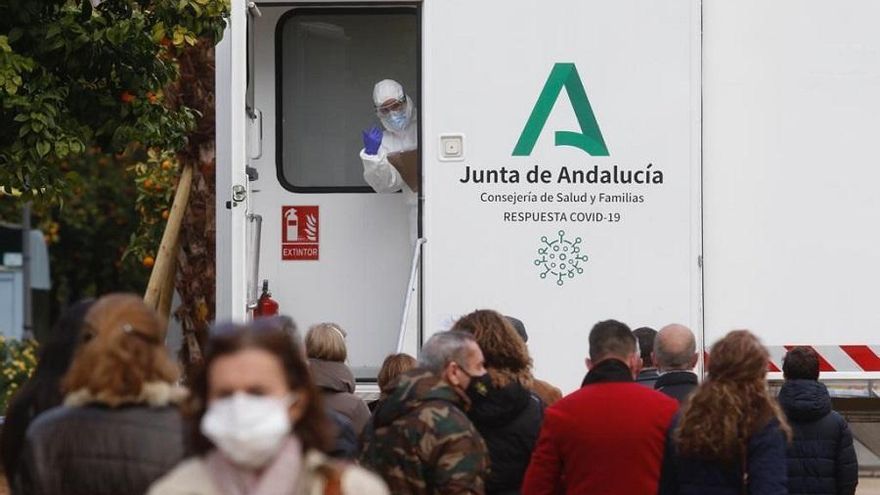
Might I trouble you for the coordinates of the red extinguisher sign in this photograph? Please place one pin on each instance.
(300, 229)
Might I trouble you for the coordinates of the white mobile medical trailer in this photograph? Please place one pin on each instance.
(708, 162)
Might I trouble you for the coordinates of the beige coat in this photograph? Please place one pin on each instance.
(191, 477)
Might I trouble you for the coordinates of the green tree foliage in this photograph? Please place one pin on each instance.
(91, 119)
(18, 358)
(73, 77)
(103, 239)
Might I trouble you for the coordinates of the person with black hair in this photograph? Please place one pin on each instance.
(607, 437)
(821, 458)
(648, 375)
(43, 390)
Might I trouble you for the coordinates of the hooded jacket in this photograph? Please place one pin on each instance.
(421, 442)
(88, 448)
(336, 383)
(821, 459)
(509, 419)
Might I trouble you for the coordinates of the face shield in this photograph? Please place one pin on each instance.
(395, 114)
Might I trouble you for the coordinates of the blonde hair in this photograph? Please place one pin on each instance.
(122, 351)
(326, 341)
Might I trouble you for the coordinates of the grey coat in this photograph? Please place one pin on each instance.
(92, 449)
(337, 387)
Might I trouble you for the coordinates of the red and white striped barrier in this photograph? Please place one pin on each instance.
(835, 358)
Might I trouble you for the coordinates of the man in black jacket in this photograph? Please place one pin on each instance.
(648, 373)
(675, 355)
(821, 459)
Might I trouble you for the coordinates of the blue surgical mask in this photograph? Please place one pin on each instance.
(398, 120)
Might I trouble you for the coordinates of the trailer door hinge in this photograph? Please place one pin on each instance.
(239, 194)
(700, 261)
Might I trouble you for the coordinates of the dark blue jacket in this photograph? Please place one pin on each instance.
(766, 468)
(821, 460)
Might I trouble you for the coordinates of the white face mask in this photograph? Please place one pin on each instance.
(248, 429)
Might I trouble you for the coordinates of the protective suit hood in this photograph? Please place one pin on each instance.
(396, 121)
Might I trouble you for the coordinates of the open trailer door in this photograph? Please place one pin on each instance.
(333, 250)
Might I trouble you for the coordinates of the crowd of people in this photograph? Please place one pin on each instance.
(273, 412)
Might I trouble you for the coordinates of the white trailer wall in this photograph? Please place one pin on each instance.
(485, 64)
(791, 105)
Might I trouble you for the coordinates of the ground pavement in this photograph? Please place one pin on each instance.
(867, 486)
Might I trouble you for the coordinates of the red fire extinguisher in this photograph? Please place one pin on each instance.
(266, 306)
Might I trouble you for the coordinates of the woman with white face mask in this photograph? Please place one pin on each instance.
(258, 425)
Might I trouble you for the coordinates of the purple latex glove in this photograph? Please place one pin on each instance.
(372, 140)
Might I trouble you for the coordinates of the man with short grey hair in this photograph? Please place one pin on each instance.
(445, 348)
(420, 440)
(675, 355)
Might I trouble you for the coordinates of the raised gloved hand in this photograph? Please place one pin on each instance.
(372, 140)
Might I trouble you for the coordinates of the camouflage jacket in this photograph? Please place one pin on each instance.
(421, 442)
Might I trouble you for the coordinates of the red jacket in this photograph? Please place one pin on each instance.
(606, 438)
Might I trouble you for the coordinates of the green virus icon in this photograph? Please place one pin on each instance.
(560, 258)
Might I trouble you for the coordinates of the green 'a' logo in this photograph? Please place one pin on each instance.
(589, 139)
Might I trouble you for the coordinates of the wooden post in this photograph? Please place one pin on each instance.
(166, 256)
(166, 296)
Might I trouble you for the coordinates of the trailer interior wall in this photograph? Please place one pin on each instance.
(791, 108)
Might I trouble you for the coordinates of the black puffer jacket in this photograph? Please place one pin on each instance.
(821, 460)
(98, 450)
(509, 419)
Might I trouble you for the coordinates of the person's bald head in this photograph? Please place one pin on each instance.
(675, 348)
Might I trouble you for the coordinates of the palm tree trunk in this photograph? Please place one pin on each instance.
(196, 256)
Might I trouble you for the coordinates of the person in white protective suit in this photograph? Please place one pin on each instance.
(398, 116)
